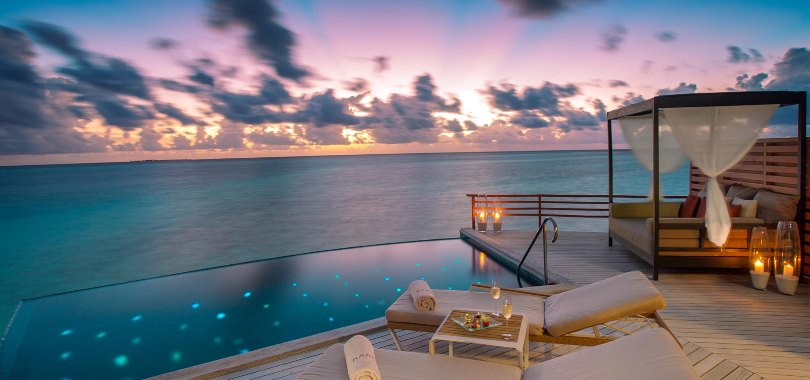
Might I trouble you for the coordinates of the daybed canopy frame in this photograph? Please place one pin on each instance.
(652, 106)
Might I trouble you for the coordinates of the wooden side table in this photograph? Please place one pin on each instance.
(451, 332)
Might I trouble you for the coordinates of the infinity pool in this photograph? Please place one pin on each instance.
(149, 327)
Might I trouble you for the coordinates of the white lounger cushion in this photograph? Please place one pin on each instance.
(403, 310)
(617, 297)
(403, 365)
(652, 354)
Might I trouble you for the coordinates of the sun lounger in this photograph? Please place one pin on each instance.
(555, 319)
(652, 354)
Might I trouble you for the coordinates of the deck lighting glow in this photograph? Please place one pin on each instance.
(399, 290)
(136, 340)
(337, 276)
(356, 295)
(418, 264)
(388, 279)
(195, 305)
(217, 340)
(137, 318)
(325, 304)
(294, 284)
(221, 316)
(65, 355)
(331, 319)
(305, 295)
(183, 326)
(244, 351)
(177, 356)
(345, 283)
(247, 294)
(266, 306)
(366, 306)
(66, 332)
(121, 360)
(101, 335)
(276, 323)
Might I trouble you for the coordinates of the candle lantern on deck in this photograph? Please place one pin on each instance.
(482, 212)
(496, 218)
(759, 257)
(786, 258)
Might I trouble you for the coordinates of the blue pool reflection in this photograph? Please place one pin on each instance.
(149, 327)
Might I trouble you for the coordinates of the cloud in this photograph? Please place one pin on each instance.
(116, 111)
(201, 77)
(252, 108)
(529, 120)
(161, 43)
(174, 85)
(628, 99)
(792, 72)
(177, 114)
(110, 74)
(617, 83)
(578, 120)
(613, 37)
(325, 109)
(666, 36)
(356, 85)
(32, 119)
(545, 98)
(753, 83)
(737, 55)
(543, 9)
(266, 37)
(682, 88)
(381, 64)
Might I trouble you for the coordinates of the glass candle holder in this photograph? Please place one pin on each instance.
(482, 212)
(786, 258)
(759, 257)
(497, 218)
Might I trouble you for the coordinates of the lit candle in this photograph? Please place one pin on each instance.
(482, 216)
(497, 216)
(759, 266)
(788, 270)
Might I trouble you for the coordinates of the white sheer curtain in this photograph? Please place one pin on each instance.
(638, 131)
(716, 138)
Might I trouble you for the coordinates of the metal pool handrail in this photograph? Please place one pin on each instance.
(545, 249)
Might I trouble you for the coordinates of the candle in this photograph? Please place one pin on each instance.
(497, 216)
(759, 266)
(788, 270)
(482, 216)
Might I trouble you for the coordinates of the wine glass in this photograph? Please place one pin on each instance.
(495, 292)
(507, 313)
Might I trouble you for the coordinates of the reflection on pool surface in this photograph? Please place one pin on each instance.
(150, 327)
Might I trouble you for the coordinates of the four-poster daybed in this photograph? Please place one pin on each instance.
(714, 159)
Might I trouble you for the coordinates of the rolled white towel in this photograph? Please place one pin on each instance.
(360, 359)
(423, 297)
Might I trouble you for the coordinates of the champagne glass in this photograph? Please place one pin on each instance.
(786, 260)
(507, 313)
(495, 292)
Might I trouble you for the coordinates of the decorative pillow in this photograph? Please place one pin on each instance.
(740, 191)
(689, 207)
(749, 208)
(734, 210)
(701, 211)
(774, 207)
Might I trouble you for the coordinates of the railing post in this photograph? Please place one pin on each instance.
(539, 210)
(472, 209)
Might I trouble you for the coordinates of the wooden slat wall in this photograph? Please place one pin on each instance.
(771, 164)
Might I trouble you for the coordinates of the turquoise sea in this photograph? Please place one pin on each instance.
(68, 227)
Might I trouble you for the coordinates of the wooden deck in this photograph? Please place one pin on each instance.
(729, 330)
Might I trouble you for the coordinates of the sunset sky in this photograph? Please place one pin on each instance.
(93, 81)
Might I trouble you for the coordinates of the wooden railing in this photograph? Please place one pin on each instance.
(554, 205)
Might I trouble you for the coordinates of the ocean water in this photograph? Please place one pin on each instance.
(68, 227)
